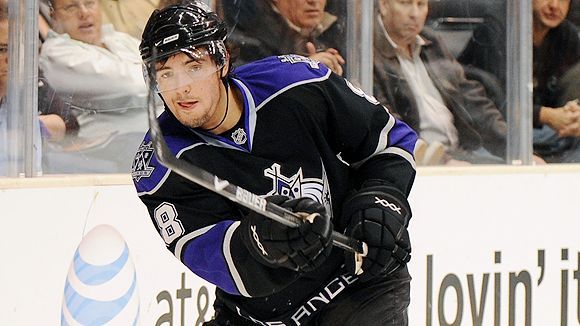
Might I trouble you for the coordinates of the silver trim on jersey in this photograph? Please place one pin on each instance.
(382, 142)
(229, 260)
(282, 90)
(215, 142)
(251, 107)
(166, 175)
(403, 153)
(185, 239)
(252, 117)
(382, 145)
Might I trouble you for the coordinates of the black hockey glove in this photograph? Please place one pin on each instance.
(301, 249)
(377, 214)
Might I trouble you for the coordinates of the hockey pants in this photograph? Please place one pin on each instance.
(377, 302)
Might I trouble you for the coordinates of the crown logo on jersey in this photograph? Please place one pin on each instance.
(141, 162)
(286, 186)
(297, 186)
(295, 58)
(239, 136)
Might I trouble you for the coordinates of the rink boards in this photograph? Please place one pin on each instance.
(491, 246)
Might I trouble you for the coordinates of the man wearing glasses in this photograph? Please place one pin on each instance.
(98, 70)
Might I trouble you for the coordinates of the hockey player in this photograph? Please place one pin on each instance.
(303, 137)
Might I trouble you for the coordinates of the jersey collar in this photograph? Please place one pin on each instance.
(249, 125)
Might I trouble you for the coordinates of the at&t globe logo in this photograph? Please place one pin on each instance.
(101, 285)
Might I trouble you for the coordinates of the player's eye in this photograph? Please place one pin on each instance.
(194, 66)
(166, 74)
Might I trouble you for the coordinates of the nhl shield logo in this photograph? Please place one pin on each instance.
(141, 162)
(239, 136)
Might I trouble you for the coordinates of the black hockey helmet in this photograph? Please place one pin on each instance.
(180, 27)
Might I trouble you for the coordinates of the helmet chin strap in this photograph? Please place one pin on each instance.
(227, 86)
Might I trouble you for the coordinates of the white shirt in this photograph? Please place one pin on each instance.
(436, 119)
(109, 81)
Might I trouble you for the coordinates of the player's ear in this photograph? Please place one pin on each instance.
(226, 69)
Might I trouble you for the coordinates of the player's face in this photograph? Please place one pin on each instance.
(550, 13)
(81, 19)
(302, 13)
(3, 57)
(404, 19)
(193, 98)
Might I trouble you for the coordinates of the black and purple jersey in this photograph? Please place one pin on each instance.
(304, 132)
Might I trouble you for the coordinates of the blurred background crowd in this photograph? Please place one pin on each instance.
(439, 65)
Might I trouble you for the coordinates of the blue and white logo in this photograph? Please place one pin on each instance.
(141, 162)
(101, 285)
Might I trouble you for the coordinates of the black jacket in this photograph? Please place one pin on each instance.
(261, 32)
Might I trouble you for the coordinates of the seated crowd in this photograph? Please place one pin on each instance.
(556, 73)
(93, 98)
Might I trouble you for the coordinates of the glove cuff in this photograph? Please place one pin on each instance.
(250, 236)
(377, 194)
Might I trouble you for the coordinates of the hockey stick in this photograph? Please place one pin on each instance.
(225, 188)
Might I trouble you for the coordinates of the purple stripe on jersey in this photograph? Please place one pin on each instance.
(205, 257)
(402, 136)
(268, 76)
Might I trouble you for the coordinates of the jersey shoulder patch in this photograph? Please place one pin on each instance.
(271, 76)
(147, 172)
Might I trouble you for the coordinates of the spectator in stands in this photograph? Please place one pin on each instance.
(556, 61)
(55, 119)
(55, 114)
(417, 77)
(99, 71)
(274, 27)
(556, 52)
(90, 60)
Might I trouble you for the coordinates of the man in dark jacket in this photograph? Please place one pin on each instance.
(274, 27)
(417, 77)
